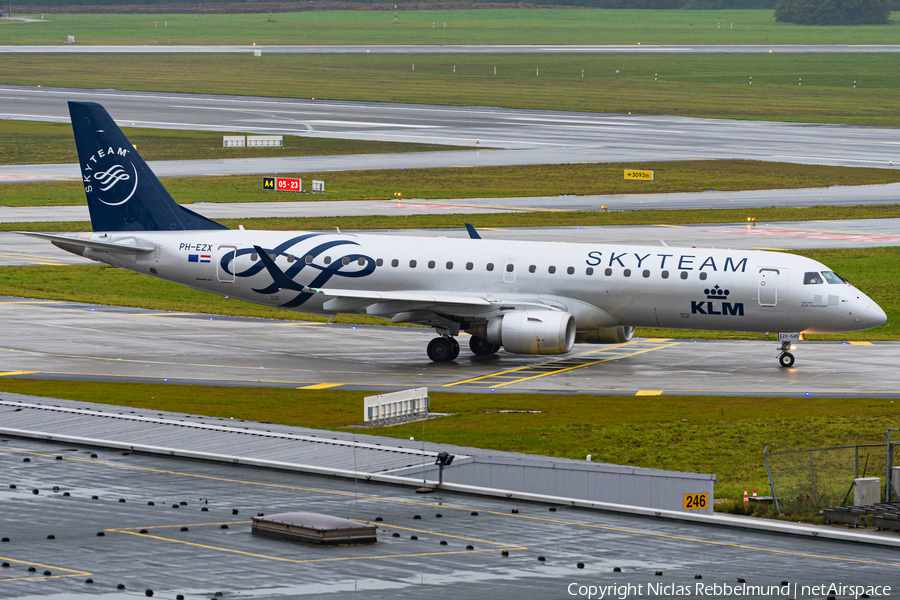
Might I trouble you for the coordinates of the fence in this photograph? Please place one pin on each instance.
(809, 481)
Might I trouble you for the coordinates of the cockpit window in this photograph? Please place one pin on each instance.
(832, 277)
(811, 278)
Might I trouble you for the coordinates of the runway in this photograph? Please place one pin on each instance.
(833, 196)
(522, 136)
(103, 343)
(176, 526)
(464, 49)
(791, 235)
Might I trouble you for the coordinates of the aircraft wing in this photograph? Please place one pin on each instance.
(411, 296)
(65, 240)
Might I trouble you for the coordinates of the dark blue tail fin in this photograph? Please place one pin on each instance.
(122, 192)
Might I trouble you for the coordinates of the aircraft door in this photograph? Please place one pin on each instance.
(509, 270)
(225, 263)
(768, 287)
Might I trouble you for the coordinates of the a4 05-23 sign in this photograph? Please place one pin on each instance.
(283, 184)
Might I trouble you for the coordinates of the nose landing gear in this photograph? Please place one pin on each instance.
(785, 358)
(443, 349)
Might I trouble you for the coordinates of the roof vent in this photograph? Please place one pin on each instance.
(313, 528)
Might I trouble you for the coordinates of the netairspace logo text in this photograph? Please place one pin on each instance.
(722, 590)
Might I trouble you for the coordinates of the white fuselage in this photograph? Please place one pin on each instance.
(601, 285)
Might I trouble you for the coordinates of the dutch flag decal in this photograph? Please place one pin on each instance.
(204, 258)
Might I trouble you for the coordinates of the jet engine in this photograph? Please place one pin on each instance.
(532, 332)
(607, 335)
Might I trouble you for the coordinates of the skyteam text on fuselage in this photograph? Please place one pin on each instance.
(526, 297)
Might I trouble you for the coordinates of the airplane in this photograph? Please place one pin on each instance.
(524, 297)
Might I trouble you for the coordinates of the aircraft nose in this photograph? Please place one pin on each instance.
(876, 315)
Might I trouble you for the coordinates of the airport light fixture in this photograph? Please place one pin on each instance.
(443, 459)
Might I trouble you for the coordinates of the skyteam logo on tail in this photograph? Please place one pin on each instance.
(715, 299)
(113, 180)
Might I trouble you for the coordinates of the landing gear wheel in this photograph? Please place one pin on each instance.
(481, 347)
(455, 346)
(442, 349)
(786, 359)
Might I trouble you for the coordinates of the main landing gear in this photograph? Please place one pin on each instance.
(482, 347)
(446, 348)
(443, 349)
(785, 357)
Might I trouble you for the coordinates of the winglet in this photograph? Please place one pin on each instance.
(278, 276)
(472, 233)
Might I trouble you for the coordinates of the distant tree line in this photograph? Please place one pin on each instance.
(637, 4)
(833, 12)
(814, 12)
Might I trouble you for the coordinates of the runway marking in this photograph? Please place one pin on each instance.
(320, 386)
(8, 373)
(71, 572)
(861, 343)
(673, 226)
(125, 529)
(501, 546)
(451, 507)
(554, 367)
(649, 393)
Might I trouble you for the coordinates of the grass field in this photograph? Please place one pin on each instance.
(508, 26)
(873, 270)
(689, 85)
(707, 434)
(29, 142)
(486, 182)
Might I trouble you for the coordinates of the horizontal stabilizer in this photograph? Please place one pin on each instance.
(93, 245)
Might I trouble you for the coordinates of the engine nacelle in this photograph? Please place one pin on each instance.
(608, 335)
(533, 332)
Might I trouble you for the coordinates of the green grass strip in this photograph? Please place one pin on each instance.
(707, 434)
(441, 27)
(490, 182)
(708, 85)
(31, 142)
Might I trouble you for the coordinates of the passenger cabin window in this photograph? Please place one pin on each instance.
(469, 266)
(646, 273)
(532, 268)
(291, 258)
(570, 270)
(627, 272)
(832, 277)
(449, 265)
(430, 264)
(551, 270)
(379, 262)
(510, 267)
(254, 257)
(665, 274)
(412, 264)
(490, 266)
(589, 271)
(308, 259)
(395, 263)
(361, 262)
(327, 260)
(703, 276)
(608, 272)
(345, 261)
(684, 274)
